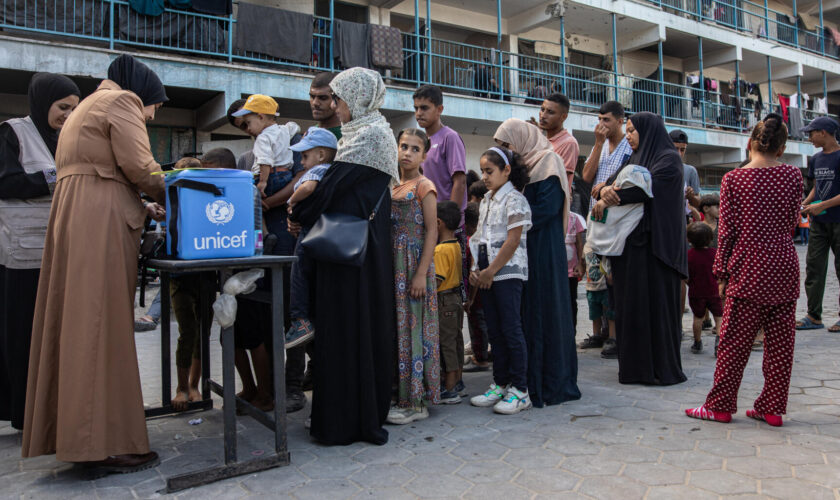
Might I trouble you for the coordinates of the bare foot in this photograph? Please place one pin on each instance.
(247, 395)
(263, 402)
(194, 395)
(181, 400)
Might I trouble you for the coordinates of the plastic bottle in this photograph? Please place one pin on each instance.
(258, 234)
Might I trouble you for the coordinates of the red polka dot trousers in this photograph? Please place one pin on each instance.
(742, 320)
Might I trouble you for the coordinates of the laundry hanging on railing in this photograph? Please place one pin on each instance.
(171, 30)
(386, 47)
(351, 44)
(821, 105)
(784, 103)
(215, 7)
(89, 18)
(796, 123)
(257, 29)
(152, 8)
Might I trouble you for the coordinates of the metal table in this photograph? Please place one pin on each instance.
(275, 420)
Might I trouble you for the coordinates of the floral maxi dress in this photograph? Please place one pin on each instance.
(418, 344)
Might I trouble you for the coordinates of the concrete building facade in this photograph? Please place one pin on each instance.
(710, 67)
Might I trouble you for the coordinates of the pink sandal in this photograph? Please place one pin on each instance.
(704, 413)
(774, 420)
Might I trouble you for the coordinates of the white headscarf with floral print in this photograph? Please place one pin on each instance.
(367, 139)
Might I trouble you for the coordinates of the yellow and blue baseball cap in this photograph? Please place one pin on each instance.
(259, 103)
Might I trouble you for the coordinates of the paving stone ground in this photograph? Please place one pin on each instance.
(615, 442)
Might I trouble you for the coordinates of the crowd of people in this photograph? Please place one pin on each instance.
(383, 333)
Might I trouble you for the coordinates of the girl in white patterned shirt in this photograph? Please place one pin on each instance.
(499, 271)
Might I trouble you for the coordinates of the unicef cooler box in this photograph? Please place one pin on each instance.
(210, 214)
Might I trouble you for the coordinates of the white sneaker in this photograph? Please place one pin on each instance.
(402, 416)
(514, 402)
(493, 395)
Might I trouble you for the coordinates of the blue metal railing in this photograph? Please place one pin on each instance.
(473, 70)
(757, 19)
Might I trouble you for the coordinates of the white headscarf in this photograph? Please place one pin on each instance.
(367, 139)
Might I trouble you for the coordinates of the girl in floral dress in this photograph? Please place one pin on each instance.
(414, 236)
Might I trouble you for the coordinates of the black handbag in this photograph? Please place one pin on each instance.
(340, 238)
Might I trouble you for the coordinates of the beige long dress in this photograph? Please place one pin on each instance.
(84, 400)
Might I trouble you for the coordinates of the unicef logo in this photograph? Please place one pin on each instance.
(219, 212)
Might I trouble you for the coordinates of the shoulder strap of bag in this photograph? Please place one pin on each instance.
(376, 208)
(173, 204)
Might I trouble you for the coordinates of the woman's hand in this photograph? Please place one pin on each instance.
(609, 195)
(293, 227)
(596, 189)
(156, 212)
(417, 287)
(484, 279)
(579, 270)
(722, 289)
(598, 210)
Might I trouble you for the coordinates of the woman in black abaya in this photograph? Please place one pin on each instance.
(646, 277)
(354, 311)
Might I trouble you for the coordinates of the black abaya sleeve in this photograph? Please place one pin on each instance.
(631, 195)
(14, 181)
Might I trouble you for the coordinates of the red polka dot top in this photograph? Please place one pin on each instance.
(759, 209)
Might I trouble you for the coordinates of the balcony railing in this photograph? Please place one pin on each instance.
(456, 67)
(758, 20)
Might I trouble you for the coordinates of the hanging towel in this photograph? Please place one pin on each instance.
(820, 105)
(835, 35)
(152, 8)
(784, 103)
(352, 44)
(386, 47)
(259, 29)
(213, 7)
(796, 122)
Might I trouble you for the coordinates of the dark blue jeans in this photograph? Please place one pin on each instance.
(301, 273)
(503, 313)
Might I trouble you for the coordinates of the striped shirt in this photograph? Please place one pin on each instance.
(609, 163)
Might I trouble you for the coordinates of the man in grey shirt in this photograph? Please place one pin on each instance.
(690, 177)
(692, 187)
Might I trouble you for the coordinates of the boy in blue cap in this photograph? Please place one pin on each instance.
(317, 149)
(823, 205)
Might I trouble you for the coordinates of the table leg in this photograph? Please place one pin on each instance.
(229, 387)
(278, 353)
(165, 344)
(206, 321)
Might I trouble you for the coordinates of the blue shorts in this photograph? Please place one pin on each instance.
(278, 180)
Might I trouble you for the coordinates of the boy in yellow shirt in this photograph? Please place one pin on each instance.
(450, 308)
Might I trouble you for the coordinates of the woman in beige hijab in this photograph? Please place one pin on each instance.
(546, 305)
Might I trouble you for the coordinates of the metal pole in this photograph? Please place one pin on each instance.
(111, 38)
(332, 33)
(795, 25)
(615, 59)
(563, 54)
(416, 41)
(769, 84)
(798, 93)
(499, 42)
(738, 93)
(661, 82)
(825, 88)
(822, 30)
(230, 37)
(702, 81)
(428, 78)
(766, 20)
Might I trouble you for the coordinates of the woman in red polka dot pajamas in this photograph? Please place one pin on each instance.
(758, 276)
